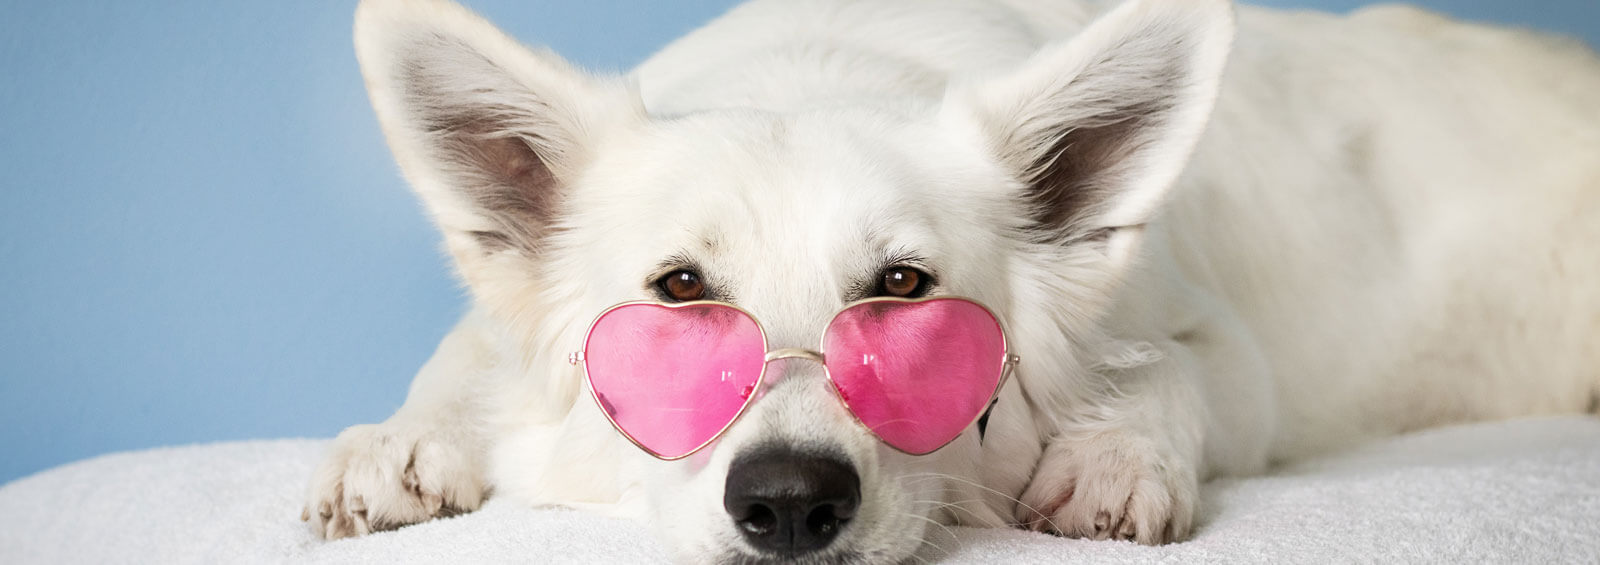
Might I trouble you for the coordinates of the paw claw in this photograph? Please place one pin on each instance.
(1102, 524)
(432, 503)
(409, 480)
(334, 527)
(1126, 531)
(358, 520)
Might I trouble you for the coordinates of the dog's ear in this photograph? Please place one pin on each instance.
(1098, 127)
(488, 132)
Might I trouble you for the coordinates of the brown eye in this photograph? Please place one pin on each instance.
(904, 282)
(682, 286)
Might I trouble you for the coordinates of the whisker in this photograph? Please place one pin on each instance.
(1035, 511)
(919, 558)
(925, 539)
(956, 505)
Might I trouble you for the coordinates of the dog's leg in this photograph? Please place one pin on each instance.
(1129, 466)
(426, 460)
(1125, 468)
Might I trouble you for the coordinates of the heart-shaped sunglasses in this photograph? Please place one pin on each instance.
(672, 377)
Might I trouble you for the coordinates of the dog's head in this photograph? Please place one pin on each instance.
(560, 193)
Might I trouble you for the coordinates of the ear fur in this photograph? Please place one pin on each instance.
(488, 132)
(1098, 127)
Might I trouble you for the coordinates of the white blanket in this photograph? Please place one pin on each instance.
(1524, 492)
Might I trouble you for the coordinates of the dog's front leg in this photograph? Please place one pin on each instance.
(1126, 465)
(426, 460)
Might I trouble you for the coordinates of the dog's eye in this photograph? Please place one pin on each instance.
(682, 286)
(904, 282)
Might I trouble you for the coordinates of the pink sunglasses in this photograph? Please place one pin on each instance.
(672, 377)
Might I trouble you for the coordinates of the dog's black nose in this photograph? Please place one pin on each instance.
(791, 503)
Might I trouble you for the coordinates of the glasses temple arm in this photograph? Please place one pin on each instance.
(983, 421)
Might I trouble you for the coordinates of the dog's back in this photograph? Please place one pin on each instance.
(1403, 209)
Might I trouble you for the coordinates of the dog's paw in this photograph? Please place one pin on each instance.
(1111, 485)
(380, 477)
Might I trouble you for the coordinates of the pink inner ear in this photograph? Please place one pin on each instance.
(916, 373)
(672, 378)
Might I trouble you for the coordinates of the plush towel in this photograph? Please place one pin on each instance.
(1525, 491)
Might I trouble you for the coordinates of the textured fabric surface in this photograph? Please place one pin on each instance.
(1525, 491)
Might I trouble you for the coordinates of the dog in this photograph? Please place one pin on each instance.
(1209, 252)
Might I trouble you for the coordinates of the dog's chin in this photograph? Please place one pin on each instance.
(849, 554)
(894, 540)
(879, 544)
(830, 558)
(893, 537)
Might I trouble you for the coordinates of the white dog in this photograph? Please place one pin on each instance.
(1389, 221)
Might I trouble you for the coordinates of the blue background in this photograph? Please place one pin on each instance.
(203, 237)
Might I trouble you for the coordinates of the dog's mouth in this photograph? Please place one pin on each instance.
(792, 505)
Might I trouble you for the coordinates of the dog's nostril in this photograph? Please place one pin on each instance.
(824, 520)
(791, 503)
(758, 520)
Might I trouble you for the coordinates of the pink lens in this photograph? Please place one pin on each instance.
(672, 378)
(916, 373)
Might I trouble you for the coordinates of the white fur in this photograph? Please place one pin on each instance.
(1388, 223)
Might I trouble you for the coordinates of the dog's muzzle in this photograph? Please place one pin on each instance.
(791, 503)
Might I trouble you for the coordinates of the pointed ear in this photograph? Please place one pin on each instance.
(488, 132)
(1098, 127)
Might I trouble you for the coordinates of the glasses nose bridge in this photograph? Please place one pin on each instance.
(794, 353)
